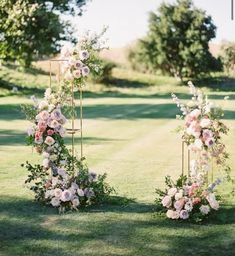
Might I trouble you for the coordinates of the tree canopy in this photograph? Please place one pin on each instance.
(30, 28)
(177, 41)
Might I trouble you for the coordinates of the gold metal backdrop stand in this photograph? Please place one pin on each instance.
(187, 157)
(183, 157)
(71, 130)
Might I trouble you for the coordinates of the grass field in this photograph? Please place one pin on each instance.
(129, 134)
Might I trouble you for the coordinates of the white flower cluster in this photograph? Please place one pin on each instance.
(74, 66)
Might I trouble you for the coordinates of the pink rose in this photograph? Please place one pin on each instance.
(49, 140)
(54, 124)
(42, 126)
(77, 73)
(196, 200)
(44, 115)
(166, 201)
(175, 215)
(50, 132)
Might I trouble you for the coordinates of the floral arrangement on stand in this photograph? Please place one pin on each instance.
(62, 180)
(192, 197)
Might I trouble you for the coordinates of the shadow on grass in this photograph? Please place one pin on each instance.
(22, 90)
(14, 137)
(125, 83)
(217, 83)
(106, 111)
(32, 70)
(27, 228)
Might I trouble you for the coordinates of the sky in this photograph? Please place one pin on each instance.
(127, 20)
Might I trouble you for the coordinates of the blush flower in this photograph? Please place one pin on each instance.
(56, 114)
(179, 204)
(172, 191)
(184, 214)
(175, 215)
(66, 195)
(85, 71)
(53, 124)
(75, 202)
(210, 142)
(55, 202)
(77, 73)
(205, 123)
(169, 214)
(84, 55)
(44, 115)
(78, 64)
(57, 192)
(49, 140)
(80, 192)
(204, 209)
(166, 201)
(50, 132)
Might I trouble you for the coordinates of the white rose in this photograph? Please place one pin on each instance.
(169, 214)
(53, 157)
(80, 192)
(214, 205)
(45, 163)
(205, 209)
(55, 201)
(172, 191)
(66, 196)
(57, 192)
(198, 143)
(178, 195)
(195, 113)
(75, 202)
(43, 105)
(48, 194)
(188, 206)
(205, 123)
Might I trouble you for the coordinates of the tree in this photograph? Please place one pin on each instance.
(228, 56)
(177, 41)
(30, 28)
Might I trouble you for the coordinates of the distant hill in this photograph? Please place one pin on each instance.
(119, 55)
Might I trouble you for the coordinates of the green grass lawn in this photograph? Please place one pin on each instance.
(128, 134)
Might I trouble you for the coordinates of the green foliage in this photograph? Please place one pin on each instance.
(32, 28)
(177, 41)
(228, 56)
(105, 73)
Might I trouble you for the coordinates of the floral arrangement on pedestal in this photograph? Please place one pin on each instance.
(193, 197)
(61, 180)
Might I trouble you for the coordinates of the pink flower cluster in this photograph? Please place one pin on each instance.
(199, 129)
(49, 122)
(182, 202)
(75, 66)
